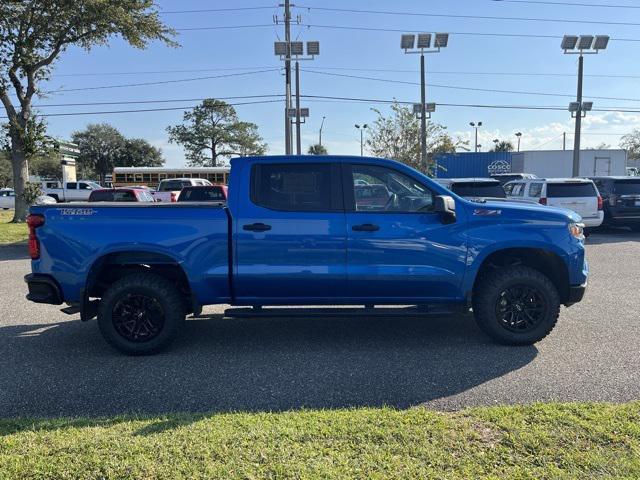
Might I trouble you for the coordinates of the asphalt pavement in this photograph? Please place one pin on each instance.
(52, 364)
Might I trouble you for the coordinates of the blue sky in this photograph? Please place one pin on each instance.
(470, 61)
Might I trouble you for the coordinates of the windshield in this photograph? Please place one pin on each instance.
(627, 187)
(171, 185)
(479, 189)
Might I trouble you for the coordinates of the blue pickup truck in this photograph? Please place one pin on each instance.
(302, 231)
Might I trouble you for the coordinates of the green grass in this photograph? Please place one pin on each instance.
(11, 232)
(540, 441)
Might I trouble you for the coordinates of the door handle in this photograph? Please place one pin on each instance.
(257, 227)
(365, 227)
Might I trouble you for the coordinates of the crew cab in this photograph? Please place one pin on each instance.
(70, 191)
(295, 233)
(169, 189)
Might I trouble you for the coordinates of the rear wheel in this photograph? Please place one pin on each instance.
(141, 314)
(516, 305)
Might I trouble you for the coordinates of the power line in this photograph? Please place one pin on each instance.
(480, 34)
(135, 102)
(477, 17)
(188, 107)
(571, 4)
(475, 89)
(219, 10)
(163, 82)
(223, 27)
(153, 72)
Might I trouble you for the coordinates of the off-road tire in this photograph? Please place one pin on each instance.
(162, 292)
(488, 294)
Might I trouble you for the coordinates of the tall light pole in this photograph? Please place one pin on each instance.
(476, 126)
(320, 132)
(361, 128)
(583, 45)
(407, 42)
(518, 134)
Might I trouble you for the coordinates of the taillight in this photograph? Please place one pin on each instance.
(542, 201)
(599, 202)
(174, 197)
(612, 200)
(33, 222)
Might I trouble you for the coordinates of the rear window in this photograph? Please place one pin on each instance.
(113, 196)
(627, 187)
(172, 185)
(201, 195)
(296, 187)
(479, 189)
(558, 190)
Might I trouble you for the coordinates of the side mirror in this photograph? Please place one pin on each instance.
(446, 207)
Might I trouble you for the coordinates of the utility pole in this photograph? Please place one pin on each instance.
(298, 139)
(287, 70)
(576, 139)
(320, 132)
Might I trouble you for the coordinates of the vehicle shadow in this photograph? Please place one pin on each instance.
(223, 365)
(604, 235)
(14, 251)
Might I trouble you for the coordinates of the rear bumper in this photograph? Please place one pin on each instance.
(43, 289)
(576, 294)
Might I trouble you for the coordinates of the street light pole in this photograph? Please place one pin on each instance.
(361, 137)
(576, 139)
(298, 139)
(423, 116)
(320, 133)
(519, 135)
(476, 127)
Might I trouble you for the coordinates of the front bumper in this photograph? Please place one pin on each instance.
(576, 294)
(43, 289)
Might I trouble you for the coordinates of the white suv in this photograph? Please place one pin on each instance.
(577, 194)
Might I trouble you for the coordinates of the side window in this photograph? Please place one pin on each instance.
(298, 187)
(84, 186)
(381, 189)
(535, 189)
(508, 187)
(71, 185)
(518, 190)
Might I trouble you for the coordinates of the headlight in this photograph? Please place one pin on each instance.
(577, 230)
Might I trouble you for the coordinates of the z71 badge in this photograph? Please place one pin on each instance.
(77, 211)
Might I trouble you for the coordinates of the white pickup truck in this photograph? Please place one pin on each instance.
(71, 191)
(169, 189)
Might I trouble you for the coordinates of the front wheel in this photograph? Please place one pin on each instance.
(141, 314)
(516, 305)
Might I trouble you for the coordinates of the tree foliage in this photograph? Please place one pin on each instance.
(317, 149)
(631, 143)
(102, 147)
(397, 136)
(503, 146)
(33, 35)
(212, 132)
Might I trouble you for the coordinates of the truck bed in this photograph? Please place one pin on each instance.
(77, 237)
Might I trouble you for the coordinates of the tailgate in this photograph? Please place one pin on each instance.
(581, 197)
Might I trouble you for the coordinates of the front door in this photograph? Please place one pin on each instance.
(398, 248)
(291, 234)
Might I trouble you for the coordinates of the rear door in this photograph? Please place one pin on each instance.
(398, 249)
(290, 233)
(581, 197)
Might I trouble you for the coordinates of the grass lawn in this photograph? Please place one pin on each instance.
(540, 441)
(11, 232)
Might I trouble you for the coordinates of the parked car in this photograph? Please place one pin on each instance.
(121, 195)
(577, 194)
(71, 191)
(621, 199)
(509, 177)
(7, 198)
(204, 193)
(294, 233)
(169, 189)
(474, 188)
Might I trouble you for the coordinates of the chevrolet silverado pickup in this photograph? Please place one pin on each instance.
(300, 231)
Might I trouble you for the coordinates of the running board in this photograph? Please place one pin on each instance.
(414, 311)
